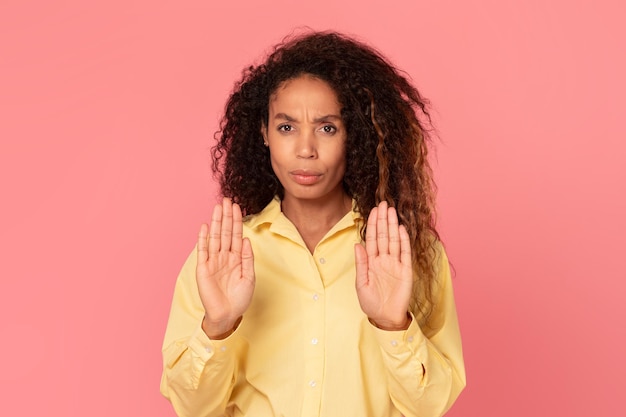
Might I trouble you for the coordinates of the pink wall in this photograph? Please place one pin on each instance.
(105, 117)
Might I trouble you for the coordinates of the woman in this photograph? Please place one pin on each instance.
(320, 287)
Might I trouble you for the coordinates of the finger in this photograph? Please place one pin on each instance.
(382, 235)
(247, 260)
(237, 229)
(360, 257)
(214, 232)
(394, 233)
(405, 246)
(203, 254)
(371, 246)
(226, 233)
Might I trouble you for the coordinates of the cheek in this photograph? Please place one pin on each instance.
(341, 156)
(340, 164)
(275, 162)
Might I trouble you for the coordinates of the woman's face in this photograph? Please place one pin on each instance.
(306, 138)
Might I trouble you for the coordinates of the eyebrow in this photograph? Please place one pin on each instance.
(288, 118)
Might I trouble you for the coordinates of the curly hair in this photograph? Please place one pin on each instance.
(387, 124)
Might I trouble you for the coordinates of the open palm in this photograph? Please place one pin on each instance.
(384, 273)
(225, 269)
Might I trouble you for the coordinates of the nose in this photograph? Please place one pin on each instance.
(306, 147)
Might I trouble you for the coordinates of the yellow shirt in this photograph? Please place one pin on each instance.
(304, 346)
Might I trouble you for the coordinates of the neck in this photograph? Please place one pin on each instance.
(314, 219)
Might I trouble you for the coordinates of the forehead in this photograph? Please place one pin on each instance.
(305, 90)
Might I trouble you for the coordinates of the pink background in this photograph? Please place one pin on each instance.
(106, 115)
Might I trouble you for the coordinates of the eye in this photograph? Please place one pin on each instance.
(285, 128)
(330, 129)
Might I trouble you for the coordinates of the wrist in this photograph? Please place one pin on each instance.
(219, 331)
(392, 325)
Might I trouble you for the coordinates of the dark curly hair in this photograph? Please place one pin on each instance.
(387, 124)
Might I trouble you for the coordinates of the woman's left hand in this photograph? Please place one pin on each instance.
(384, 272)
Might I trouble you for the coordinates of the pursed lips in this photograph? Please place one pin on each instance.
(305, 176)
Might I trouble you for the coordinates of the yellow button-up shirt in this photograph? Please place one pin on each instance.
(304, 346)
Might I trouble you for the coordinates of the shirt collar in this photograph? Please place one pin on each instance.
(272, 214)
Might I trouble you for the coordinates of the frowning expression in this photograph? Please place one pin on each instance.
(306, 137)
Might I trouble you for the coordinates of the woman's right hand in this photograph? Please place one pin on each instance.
(225, 270)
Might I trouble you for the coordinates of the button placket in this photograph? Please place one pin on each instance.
(314, 345)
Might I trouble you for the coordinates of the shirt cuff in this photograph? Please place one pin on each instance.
(398, 341)
(206, 348)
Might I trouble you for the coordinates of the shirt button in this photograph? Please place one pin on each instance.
(394, 343)
(223, 348)
(312, 383)
(322, 260)
(314, 341)
(208, 349)
(316, 297)
(410, 339)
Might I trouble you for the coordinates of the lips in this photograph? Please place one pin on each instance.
(305, 177)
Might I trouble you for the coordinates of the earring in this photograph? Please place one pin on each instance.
(265, 143)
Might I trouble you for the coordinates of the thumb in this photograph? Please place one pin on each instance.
(360, 256)
(247, 260)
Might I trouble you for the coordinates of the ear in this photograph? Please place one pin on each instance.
(264, 134)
